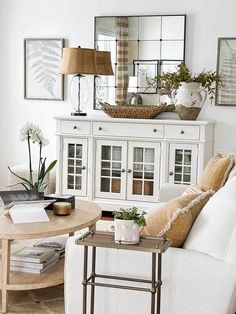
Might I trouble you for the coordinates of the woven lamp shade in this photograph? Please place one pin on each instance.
(78, 61)
(103, 63)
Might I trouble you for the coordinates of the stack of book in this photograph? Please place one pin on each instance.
(33, 259)
(56, 243)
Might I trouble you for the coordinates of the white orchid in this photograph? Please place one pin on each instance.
(31, 132)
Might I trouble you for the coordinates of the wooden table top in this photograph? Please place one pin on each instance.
(85, 214)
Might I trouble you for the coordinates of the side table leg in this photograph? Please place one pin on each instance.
(153, 289)
(85, 280)
(6, 249)
(93, 279)
(92, 227)
(159, 280)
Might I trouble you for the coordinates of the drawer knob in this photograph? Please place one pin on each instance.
(100, 128)
(182, 132)
(75, 127)
(129, 170)
(122, 170)
(154, 130)
(83, 168)
(171, 173)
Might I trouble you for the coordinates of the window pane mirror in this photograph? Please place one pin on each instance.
(141, 47)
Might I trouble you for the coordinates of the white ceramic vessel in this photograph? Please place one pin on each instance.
(126, 231)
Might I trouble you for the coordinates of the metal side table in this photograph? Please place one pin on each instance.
(152, 245)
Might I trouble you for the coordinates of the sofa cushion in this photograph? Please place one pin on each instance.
(213, 232)
(175, 218)
(216, 172)
(192, 189)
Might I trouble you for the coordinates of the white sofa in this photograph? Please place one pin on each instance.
(199, 278)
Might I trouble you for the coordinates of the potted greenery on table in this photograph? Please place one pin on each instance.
(127, 225)
(188, 90)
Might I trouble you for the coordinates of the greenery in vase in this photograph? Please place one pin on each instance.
(32, 134)
(131, 214)
(167, 82)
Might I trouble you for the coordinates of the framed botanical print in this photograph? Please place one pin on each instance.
(42, 58)
(226, 70)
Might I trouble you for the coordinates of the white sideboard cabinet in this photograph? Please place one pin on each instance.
(123, 162)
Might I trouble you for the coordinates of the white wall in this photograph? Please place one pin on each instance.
(74, 20)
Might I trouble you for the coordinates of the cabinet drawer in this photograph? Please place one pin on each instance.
(75, 127)
(125, 129)
(184, 132)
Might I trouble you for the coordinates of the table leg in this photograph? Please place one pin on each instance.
(92, 227)
(159, 280)
(85, 280)
(93, 280)
(71, 234)
(6, 250)
(153, 289)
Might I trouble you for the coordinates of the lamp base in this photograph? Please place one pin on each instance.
(76, 113)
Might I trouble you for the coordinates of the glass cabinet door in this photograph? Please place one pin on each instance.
(143, 171)
(183, 164)
(75, 166)
(110, 169)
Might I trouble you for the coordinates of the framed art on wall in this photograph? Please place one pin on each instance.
(146, 71)
(42, 58)
(226, 69)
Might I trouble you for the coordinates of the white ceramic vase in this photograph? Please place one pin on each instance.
(189, 99)
(126, 231)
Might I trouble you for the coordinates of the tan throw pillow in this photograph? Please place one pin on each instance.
(192, 189)
(175, 218)
(216, 172)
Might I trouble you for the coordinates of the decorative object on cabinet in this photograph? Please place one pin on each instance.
(123, 162)
(133, 112)
(127, 225)
(135, 98)
(41, 60)
(78, 61)
(32, 133)
(130, 38)
(226, 70)
(186, 88)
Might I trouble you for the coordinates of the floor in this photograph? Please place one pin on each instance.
(45, 301)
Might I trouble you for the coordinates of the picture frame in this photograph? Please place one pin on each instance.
(42, 57)
(226, 70)
(146, 71)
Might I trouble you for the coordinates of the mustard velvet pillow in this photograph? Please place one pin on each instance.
(174, 219)
(216, 172)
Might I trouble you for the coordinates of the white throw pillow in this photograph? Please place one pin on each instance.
(213, 232)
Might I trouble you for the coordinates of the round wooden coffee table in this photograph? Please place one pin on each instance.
(85, 215)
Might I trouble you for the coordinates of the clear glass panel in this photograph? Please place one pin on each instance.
(138, 154)
(71, 169)
(149, 50)
(173, 27)
(78, 150)
(137, 187)
(78, 170)
(106, 164)
(70, 182)
(150, 27)
(78, 163)
(149, 155)
(137, 175)
(133, 28)
(178, 177)
(187, 170)
(132, 51)
(149, 175)
(187, 178)
(138, 167)
(148, 167)
(172, 50)
(70, 162)
(105, 184)
(105, 173)
(178, 169)
(115, 186)
(71, 150)
(116, 173)
(116, 165)
(106, 152)
(116, 153)
(148, 188)
(178, 156)
(78, 183)
(187, 157)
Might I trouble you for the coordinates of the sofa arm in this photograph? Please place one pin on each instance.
(170, 190)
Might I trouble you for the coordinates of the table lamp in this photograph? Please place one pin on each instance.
(79, 62)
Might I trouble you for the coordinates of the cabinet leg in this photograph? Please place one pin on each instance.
(93, 280)
(159, 280)
(5, 272)
(153, 289)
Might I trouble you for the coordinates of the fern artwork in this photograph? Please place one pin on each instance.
(42, 61)
(226, 70)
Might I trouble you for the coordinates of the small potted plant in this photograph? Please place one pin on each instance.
(127, 225)
(188, 90)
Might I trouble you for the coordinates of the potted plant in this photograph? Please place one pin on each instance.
(188, 90)
(127, 225)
